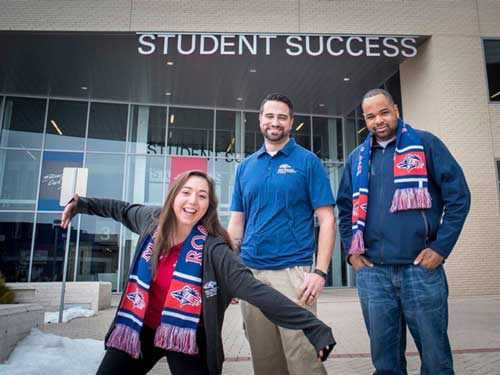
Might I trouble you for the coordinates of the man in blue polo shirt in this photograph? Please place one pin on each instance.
(277, 192)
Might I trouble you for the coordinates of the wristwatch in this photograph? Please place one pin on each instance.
(321, 273)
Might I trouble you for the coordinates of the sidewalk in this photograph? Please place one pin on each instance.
(474, 330)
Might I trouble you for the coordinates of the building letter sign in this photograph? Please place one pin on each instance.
(266, 44)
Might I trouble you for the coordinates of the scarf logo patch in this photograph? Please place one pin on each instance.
(187, 296)
(286, 168)
(210, 288)
(137, 299)
(146, 255)
(410, 162)
(355, 207)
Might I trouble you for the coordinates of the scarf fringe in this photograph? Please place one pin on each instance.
(410, 199)
(125, 339)
(357, 243)
(177, 339)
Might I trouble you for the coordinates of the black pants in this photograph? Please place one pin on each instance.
(118, 362)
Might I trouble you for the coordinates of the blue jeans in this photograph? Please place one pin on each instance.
(393, 296)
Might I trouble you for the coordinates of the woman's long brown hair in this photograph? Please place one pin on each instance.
(167, 221)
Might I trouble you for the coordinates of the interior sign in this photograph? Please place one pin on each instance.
(292, 45)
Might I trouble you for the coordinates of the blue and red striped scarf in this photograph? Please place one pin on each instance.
(182, 308)
(410, 181)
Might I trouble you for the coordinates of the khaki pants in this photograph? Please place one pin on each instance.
(276, 350)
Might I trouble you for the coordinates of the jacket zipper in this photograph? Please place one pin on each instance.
(426, 225)
(382, 211)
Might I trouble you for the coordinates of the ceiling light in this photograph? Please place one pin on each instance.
(172, 118)
(299, 126)
(494, 95)
(84, 87)
(239, 98)
(346, 79)
(362, 130)
(168, 93)
(170, 63)
(56, 127)
(230, 146)
(321, 104)
(253, 70)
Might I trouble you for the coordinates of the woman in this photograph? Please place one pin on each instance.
(182, 279)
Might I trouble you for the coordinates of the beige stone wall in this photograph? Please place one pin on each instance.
(443, 88)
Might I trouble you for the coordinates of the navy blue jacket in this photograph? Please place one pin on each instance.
(397, 238)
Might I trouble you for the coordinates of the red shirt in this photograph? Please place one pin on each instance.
(158, 289)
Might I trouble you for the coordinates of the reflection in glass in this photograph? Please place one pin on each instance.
(105, 178)
(253, 136)
(228, 134)
(22, 124)
(145, 180)
(147, 129)
(225, 170)
(301, 131)
(66, 123)
(129, 242)
(327, 138)
(107, 127)
(350, 133)
(492, 57)
(190, 132)
(98, 250)
(53, 165)
(50, 245)
(338, 266)
(16, 232)
(19, 179)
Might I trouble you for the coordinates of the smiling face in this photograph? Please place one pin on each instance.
(191, 203)
(381, 117)
(275, 122)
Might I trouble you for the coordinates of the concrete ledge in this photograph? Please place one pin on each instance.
(16, 322)
(90, 294)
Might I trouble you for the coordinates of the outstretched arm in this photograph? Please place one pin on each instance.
(133, 216)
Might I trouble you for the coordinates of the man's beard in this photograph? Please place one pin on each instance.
(283, 134)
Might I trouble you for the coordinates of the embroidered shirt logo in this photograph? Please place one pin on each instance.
(137, 299)
(286, 168)
(210, 289)
(411, 162)
(187, 296)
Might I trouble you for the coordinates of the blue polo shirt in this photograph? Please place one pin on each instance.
(278, 196)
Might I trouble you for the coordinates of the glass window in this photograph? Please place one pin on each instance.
(301, 131)
(66, 123)
(492, 57)
(228, 134)
(225, 170)
(51, 177)
(98, 250)
(147, 129)
(16, 232)
(50, 245)
(22, 124)
(253, 136)
(129, 242)
(350, 134)
(107, 127)
(145, 180)
(105, 178)
(190, 132)
(19, 179)
(327, 138)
